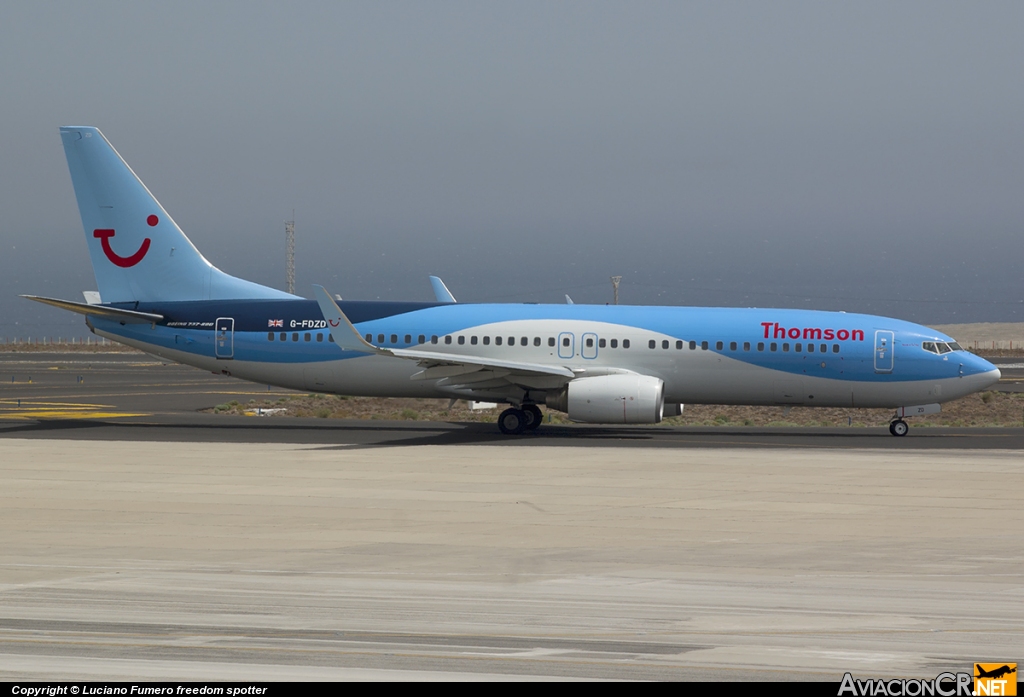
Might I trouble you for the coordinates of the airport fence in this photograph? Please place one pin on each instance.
(1007, 345)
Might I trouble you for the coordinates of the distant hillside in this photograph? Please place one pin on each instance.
(984, 334)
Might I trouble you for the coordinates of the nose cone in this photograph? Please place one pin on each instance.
(980, 372)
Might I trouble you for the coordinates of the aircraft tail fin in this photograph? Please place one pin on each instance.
(138, 252)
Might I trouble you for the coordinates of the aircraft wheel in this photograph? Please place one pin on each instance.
(899, 428)
(534, 417)
(512, 422)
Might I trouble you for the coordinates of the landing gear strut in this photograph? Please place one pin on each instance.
(898, 427)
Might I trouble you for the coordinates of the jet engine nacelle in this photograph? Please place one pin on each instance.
(612, 399)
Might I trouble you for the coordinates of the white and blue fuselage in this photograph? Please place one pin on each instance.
(703, 355)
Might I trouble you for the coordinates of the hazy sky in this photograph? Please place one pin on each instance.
(858, 156)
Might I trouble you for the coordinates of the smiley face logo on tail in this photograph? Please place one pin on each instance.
(115, 258)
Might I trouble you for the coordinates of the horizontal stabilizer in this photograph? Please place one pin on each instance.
(129, 316)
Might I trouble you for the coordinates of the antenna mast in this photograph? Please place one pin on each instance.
(615, 287)
(289, 253)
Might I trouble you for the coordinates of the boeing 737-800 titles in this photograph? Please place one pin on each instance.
(598, 363)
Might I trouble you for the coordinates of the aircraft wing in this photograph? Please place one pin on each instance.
(455, 368)
(128, 316)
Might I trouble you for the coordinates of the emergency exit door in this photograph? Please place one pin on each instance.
(224, 337)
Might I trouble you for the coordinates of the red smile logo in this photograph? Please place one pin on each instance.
(115, 258)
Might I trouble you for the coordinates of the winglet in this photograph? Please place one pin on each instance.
(441, 291)
(568, 300)
(345, 334)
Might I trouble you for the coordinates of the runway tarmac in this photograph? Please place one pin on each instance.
(184, 546)
(135, 397)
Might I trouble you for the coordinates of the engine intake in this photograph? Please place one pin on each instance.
(612, 399)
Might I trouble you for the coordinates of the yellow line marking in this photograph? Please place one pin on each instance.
(25, 403)
(69, 415)
(10, 409)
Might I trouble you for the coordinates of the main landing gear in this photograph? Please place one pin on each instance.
(514, 421)
(898, 427)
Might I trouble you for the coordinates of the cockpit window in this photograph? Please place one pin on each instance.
(955, 346)
(929, 346)
(943, 348)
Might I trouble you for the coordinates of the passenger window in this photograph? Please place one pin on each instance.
(703, 346)
(565, 341)
(512, 341)
(718, 346)
(497, 341)
(462, 340)
(615, 343)
(472, 340)
(823, 348)
(536, 341)
(746, 345)
(270, 336)
(487, 340)
(810, 348)
(664, 343)
(600, 343)
(448, 339)
(652, 343)
(693, 345)
(551, 341)
(679, 345)
(773, 346)
(394, 338)
(295, 336)
(422, 339)
(408, 339)
(625, 343)
(307, 337)
(380, 338)
(590, 343)
(798, 348)
(732, 345)
(760, 346)
(284, 337)
(835, 348)
(785, 347)
(525, 341)
(433, 338)
(369, 338)
(319, 337)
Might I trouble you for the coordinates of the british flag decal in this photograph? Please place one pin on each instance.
(275, 323)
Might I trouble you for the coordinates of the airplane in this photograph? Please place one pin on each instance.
(995, 673)
(603, 364)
